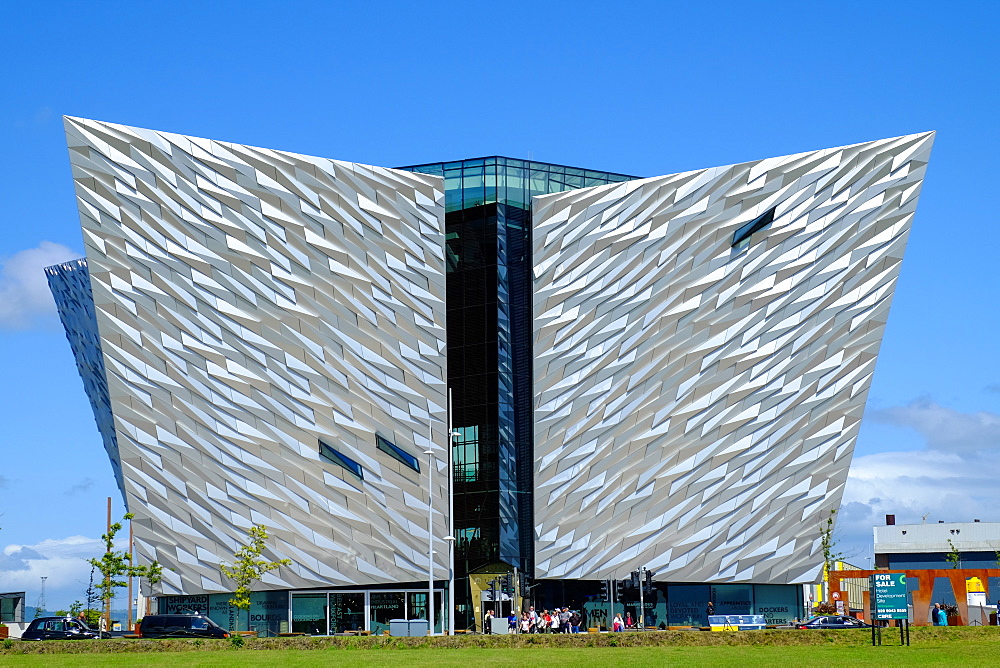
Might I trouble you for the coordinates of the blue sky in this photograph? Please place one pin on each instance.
(645, 88)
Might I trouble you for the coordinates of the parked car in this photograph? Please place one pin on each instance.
(180, 626)
(60, 628)
(833, 622)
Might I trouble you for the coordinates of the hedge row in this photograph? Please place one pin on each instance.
(630, 639)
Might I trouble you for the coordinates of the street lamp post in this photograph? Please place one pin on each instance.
(430, 535)
(451, 521)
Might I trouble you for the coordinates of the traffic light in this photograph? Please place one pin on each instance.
(524, 584)
(647, 586)
(622, 585)
(507, 583)
(605, 590)
(635, 579)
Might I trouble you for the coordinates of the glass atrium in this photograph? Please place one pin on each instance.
(488, 226)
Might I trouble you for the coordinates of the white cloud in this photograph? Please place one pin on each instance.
(63, 562)
(25, 300)
(944, 428)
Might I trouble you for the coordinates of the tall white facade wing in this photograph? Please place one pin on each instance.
(698, 394)
(252, 303)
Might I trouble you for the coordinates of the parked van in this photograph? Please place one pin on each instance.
(179, 626)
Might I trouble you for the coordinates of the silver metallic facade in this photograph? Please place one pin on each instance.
(69, 283)
(251, 303)
(697, 401)
(696, 397)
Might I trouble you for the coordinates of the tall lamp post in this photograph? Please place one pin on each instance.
(430, 538)
(451, 521)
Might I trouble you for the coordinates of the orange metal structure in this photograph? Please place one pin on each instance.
(956, 577)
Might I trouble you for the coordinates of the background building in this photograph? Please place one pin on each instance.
(665, 372)
(919, 546)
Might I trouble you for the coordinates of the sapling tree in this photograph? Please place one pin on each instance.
(248, 568)
(115, 565)
(154, 573)
(829, 546)
(954, 557)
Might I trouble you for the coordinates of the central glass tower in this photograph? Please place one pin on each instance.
(488, 225)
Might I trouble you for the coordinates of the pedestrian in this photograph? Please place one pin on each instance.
(619, 625)
(628, 620)
(935, 620)
(533, 616)
(525, 623)
(556, 623)
(512, 622)
(574, 622)
(488, 622)
(942, 615)
(564, 620)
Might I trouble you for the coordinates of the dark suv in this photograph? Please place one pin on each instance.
(180, 626)
(60, 628)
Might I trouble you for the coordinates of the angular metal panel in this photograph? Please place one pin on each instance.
(251, 302)
(697, 403)
(69, 283)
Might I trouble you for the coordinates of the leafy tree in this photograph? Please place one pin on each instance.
(154, 573)
(828, 544)
(90, 593)
(249, 568)
(114, 566)
(954, 557)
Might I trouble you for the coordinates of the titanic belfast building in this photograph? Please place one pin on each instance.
(518, 367)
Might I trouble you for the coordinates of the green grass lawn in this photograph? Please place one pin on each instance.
(970, 653)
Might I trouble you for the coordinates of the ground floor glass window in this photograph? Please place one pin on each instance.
(347, 611)
(417, 607)
(385, 606)
(309, 614)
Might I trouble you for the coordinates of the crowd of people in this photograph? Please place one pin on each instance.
(559, 620)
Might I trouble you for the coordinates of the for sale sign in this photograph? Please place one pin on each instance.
(888, 595)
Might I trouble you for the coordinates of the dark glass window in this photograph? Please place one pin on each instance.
(334, 457)
(466, 455)
(397, 453)
(488, 229)
(741, 237)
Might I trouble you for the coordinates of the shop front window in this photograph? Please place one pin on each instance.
(309, 614)
(385, 606)
(687, 605)
(417, 607)
(735, 599)
(347, 611)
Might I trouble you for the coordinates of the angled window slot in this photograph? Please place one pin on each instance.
(329, 454)
(741, 238)
(397, 453)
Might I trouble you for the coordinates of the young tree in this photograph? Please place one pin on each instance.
(249, 568)
(830, 553)
(114, 566)
(154, 573)
(954, 557)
